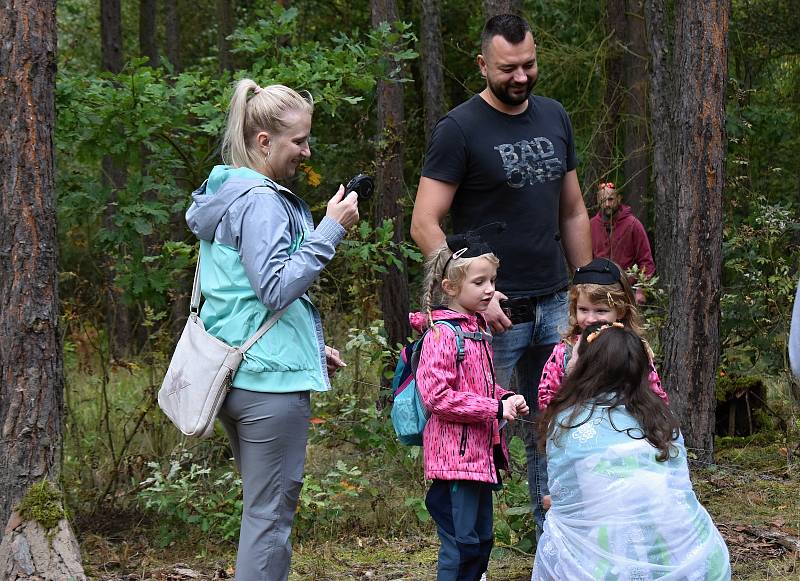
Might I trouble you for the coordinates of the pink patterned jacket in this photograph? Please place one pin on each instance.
(463, 428)
(553, 375)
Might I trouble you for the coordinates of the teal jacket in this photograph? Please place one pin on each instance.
(260, 252)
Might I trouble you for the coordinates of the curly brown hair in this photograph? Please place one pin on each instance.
(611, 370)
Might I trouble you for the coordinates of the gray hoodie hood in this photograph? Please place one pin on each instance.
(223, 187)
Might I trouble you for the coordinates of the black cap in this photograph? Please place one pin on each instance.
(598, 271)
(470, 243)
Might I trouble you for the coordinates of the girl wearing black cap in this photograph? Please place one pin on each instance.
(600, 293)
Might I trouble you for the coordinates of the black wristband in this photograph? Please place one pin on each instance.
(500, 409)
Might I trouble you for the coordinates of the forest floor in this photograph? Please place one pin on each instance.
(753, 493)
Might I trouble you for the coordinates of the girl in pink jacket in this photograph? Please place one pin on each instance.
(599, 294)
(462, 445)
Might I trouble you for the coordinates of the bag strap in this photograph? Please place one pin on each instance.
(194, 307)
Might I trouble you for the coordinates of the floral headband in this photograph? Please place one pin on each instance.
(593, 335)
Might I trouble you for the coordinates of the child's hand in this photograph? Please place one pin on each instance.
(522, 405)
(509, 409)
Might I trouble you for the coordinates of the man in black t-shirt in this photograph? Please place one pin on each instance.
(506, 155)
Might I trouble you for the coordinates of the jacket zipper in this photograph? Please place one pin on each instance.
(463, 448)
(485, 351)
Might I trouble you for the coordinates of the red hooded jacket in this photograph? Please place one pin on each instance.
(623, 240)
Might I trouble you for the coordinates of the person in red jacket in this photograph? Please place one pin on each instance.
(619, 236)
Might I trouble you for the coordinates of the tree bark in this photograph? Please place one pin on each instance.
(688, 113)
(431, 56)
(636, 138)
(224, 30)
(31, 373)
(601, 165)
(111, 35)
(390, 185)
(30, 552)
(115, 178)
(172, 33)
(147, 31)
(495, 7)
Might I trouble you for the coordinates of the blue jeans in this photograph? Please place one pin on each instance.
(526, 348)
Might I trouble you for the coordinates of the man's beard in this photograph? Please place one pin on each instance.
(504, 96)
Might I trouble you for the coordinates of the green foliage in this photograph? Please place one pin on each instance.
(514, 524)
(728, 387)
(759, 278)
(190, 494)
(329, 502)
(44, 504)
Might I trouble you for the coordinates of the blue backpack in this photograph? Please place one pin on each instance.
(409, 415)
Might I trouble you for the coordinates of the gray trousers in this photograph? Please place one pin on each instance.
(268, 434)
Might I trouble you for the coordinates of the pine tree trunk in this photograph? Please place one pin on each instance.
(224, 30)
(115, 177)
(111, 35)
(172, 33)
(431, 55)
(31, 372)
(636, 138)
(390, 185)
(601, 165)
(688, 105)
(495, 7)
(147, 31)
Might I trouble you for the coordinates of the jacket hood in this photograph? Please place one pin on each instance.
(225, 185)
(419, 320)
(622, 213)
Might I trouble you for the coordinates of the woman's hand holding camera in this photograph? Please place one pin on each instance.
(343, 209)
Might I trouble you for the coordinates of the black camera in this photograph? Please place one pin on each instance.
(362, 185)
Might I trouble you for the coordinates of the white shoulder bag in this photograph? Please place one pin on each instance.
(201, 371)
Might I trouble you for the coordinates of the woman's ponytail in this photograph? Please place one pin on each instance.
(253, 109)
(234, 144)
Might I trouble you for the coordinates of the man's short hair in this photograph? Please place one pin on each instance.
(511, 27)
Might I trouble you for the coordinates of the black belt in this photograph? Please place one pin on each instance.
(520, 309)
(523, 309)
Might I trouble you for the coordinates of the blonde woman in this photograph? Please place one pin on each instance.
(259, 253)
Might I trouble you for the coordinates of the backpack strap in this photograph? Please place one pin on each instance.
(461, 335)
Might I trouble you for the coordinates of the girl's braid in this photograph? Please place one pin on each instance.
(433, 279)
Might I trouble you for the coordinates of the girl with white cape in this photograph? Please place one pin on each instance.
(623, 507)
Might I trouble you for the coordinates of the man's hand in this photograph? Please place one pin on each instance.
(333, 360)
(494, 315)
(640, 298)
